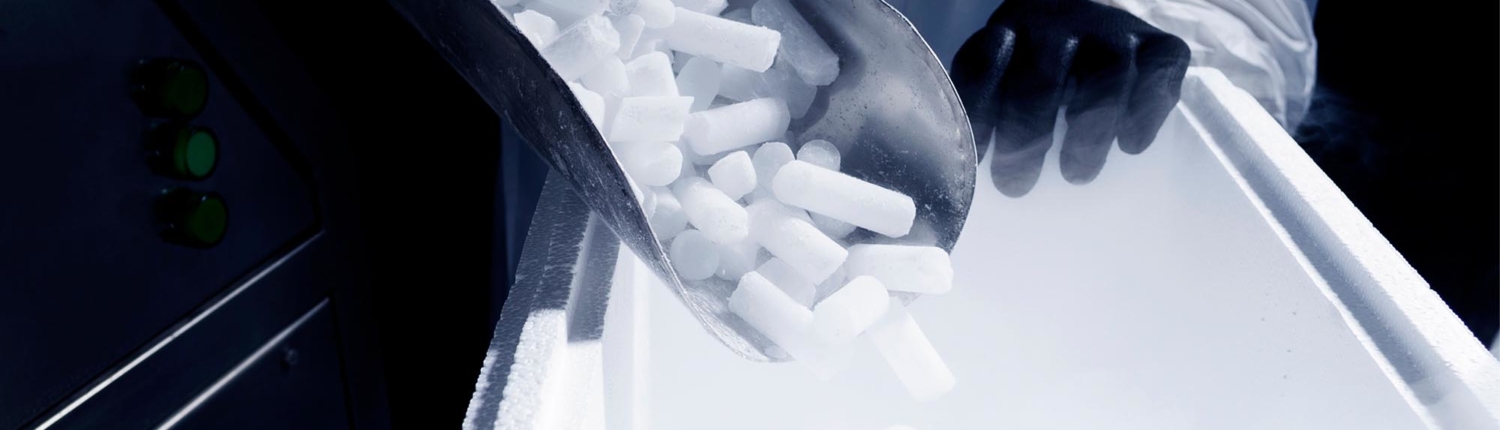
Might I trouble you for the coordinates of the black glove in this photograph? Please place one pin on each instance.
(1011, 75)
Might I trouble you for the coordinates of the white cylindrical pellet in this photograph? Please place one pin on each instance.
(564, 17)
(611, 110)
(795, 240)
(781, 319)
(650, 119)
(656, 13)
(646, 45)
(761, 193)
(768, 159)
(651, 163)
(576, 7)
(722, 40)
(850, 310)
(789, 280)
(540, 29)
(832, 227)
(801, 47)
(909, 353)
(581, 47)
(629, 28)
(608, 77)
(669, 219)
(772, 204)
(699, 79)
(779, 81)
(688, 168)
(844, 198)
(662, 47)
(711, 7)
(820, 153)
(734, 174)
(593, 104)
(709, 210)
(622, 7)
(651, 75)
(918, 269)
(678, 60)
(828, 286)
(694, 256)
(737, 259)
(648, 203)
(730, 127)
(636, 190)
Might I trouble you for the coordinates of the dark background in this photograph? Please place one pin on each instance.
(428, 153)
(1405, 120)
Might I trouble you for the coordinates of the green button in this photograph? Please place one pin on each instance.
(193, 218)
(171, 88)
(183, 151)
(195, 153)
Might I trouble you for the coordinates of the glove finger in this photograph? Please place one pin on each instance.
(1028, 102)
(1161, 61)
(976, 71)
(1105, 71)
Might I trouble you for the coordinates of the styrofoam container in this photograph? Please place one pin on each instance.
(1218, 280)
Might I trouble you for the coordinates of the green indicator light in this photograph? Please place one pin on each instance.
(184, 151)
(171, 88)
(193, 218)
(195, 153)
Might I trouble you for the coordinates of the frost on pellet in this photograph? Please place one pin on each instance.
(698, 103)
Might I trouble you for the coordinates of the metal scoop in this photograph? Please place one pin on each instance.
(892, 112)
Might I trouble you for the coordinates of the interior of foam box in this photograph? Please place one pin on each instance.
(1159, 296)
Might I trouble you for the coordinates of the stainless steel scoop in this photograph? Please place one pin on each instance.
(892, 112)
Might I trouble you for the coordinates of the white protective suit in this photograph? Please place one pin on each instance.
(1264, 46)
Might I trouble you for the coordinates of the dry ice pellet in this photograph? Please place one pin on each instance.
(696, 103)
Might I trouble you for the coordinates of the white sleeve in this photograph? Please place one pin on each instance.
(1264, 46)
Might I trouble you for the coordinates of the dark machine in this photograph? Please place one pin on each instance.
(241, 214)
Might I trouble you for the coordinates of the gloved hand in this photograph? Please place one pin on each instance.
(1125, 75)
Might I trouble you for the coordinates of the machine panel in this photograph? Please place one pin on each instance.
(89, 277)
(293, 381)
